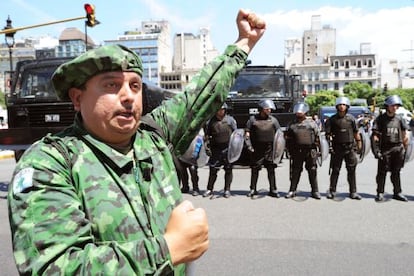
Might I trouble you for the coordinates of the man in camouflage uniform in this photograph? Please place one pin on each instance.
(218, 131)
(389, 143)
(302, 140)
(103, 197)
(342, 133)
(260, 133)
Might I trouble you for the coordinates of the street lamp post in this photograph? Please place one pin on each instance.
(9, 38)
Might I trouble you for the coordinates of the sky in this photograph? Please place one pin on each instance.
(387, 24)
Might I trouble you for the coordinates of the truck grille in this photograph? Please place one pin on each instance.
(42, 115)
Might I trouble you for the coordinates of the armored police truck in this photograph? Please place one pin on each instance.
(255, 83)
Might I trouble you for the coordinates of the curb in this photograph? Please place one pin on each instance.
(6, 154)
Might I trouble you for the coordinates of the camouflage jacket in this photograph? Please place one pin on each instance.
(77, 206)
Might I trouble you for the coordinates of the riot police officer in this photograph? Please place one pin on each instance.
(217, 132)
(260, 132)
(389, 142)
(342, 133)
(302, 140)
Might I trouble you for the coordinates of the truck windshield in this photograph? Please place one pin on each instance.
(35, 83)
(258, 85)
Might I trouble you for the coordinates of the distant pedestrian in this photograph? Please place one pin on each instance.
(317, 121)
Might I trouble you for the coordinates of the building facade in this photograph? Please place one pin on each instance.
(314, 58)
(191, 53)
(153, 43)
(338, 72)
(73, 42)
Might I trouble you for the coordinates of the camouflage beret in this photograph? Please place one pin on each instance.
(107, 58)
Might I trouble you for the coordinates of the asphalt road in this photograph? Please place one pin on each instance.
(303, 236)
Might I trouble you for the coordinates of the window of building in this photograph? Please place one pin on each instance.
(347, 74)
(325, 86)
(336, 64)
(317, 87)
(359, 63)
(370, 63)
(347, 64)
(359, 73)
(336, 74)
(336, 86)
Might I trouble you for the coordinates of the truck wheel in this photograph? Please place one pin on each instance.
(18, 154)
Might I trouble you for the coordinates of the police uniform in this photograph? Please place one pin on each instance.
(218, 134)
(262, 132)
(78, 206)
(188, 164)
(390, 153)
(340, 131)
(302, 139)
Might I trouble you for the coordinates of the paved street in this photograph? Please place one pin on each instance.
(268, 236)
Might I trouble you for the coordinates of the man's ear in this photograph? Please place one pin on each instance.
(74, 95)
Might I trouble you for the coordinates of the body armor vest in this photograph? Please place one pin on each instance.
(264, 131)
(391, 130)
(303, 133)
(220, 131)
(342, 129)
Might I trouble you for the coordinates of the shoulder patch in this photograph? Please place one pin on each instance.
(23, 180)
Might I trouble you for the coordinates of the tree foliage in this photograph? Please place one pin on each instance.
(2, 100)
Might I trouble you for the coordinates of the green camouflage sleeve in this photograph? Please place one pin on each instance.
(182, 116)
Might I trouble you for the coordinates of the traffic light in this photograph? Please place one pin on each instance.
(90, 15)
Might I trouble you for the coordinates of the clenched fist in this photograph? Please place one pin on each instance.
(255, 21)
(187, 233)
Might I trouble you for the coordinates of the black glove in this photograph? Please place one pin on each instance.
(379, 156)
(250, 148)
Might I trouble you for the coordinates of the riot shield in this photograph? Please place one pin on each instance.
(196, 153)
(366, 144)
(236, 144)
(279, 144)
(324, 149)
(409, 153)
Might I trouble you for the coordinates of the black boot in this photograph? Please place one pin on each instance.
(253, 182)
(314, 184)
(272, 182)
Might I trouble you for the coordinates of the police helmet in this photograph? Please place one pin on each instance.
(301, 108)
(267, 104)
(393, 100)
(224, 106)
(342, 100)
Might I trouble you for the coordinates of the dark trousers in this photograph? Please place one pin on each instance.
(347, 153)
(298, 157)
(271, 176)
(393, 161)
(228, 178)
